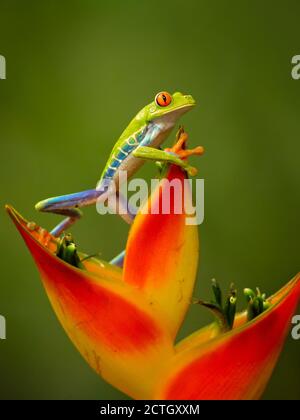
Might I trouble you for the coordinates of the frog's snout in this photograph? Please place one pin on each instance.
(190, 99)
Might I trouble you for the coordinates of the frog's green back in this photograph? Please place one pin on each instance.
(126, 141)
(135, 126)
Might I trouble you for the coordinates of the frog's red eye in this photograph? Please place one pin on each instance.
(163, 99)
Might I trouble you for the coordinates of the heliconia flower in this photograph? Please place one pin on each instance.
(124, 322)
(168, 248)
(235, 365)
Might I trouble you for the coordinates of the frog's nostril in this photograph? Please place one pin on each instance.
(190, 99)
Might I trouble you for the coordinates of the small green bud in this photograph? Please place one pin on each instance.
(230, 306)
(67, 251)
(230, 311)
(266, 305)
(249, 294)
(224, 315)
(217, 292)
(257, 303)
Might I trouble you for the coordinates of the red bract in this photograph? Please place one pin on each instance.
(124, 323)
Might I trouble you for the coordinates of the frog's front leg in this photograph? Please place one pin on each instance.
(124, 209)
(176, 155)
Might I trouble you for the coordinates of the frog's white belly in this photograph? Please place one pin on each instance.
(131, 164)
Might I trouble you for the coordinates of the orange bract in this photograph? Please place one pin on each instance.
(124, 323)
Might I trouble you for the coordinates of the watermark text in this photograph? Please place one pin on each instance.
(2, 67)
(296, 67)
(174, 197)
(296, 329)
(2, 327)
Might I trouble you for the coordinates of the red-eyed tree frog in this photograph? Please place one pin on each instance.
(140, 141)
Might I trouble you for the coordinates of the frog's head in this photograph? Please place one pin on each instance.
(169, 107)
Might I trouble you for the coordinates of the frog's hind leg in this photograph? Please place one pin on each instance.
(119, 259)
(124, 209)
(68, 205)
(74, 215)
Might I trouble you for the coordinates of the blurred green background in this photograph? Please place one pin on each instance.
(77, 72)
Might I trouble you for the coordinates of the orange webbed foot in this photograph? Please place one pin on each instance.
(179, 147)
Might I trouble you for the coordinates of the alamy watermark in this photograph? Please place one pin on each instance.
(296, 67)
(175, 197)
(2, 67)
(2, 327)
(2, 318)
(296, 329)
